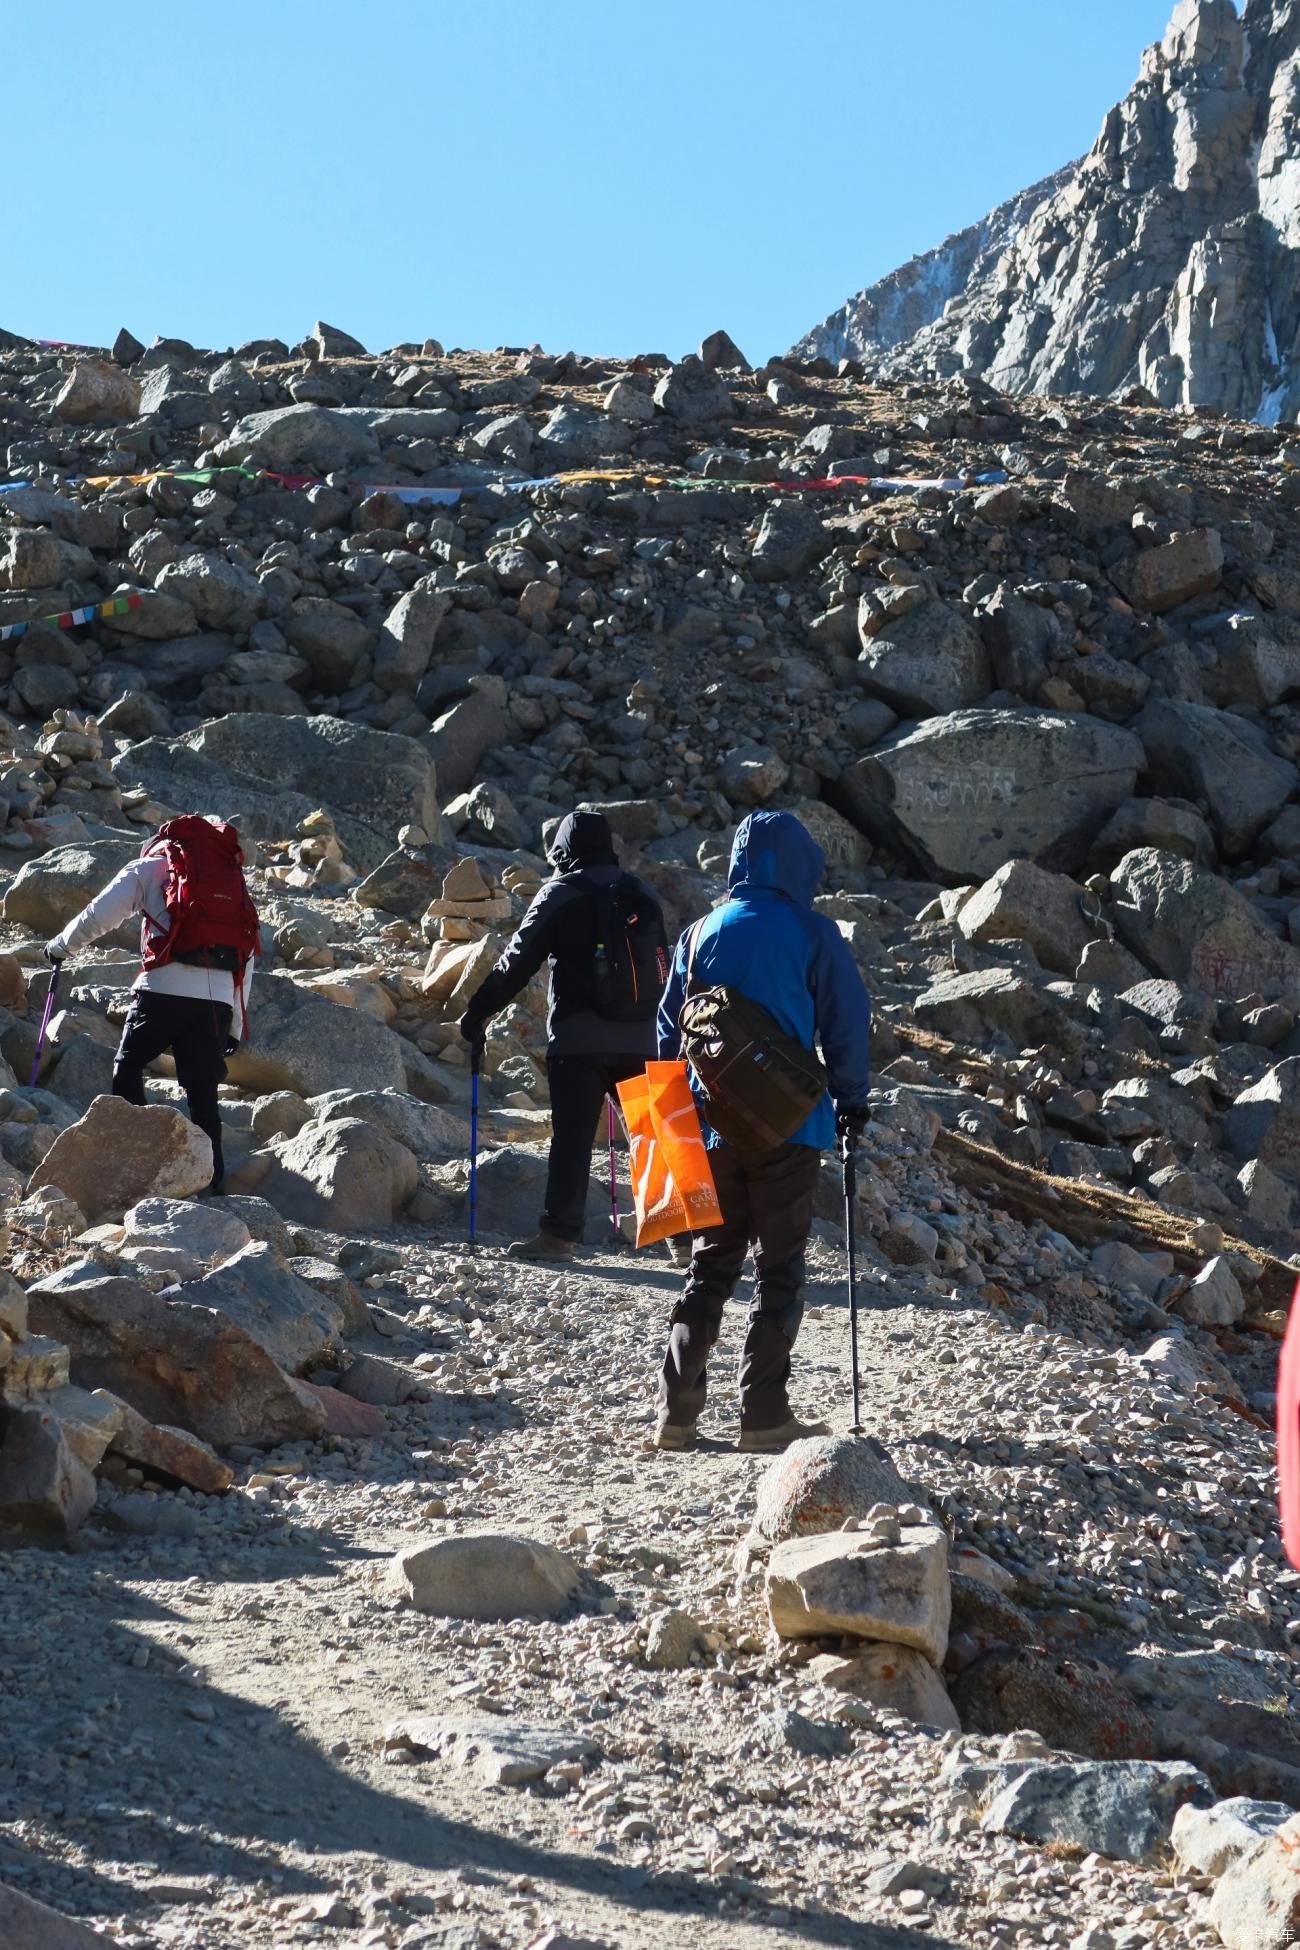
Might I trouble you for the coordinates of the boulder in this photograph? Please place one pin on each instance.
(44, 1485)
(821, 1483)
(177, 1364)
(890, 1676)
(689, 392)
(673, 1642)
(791, 539)
(504, 1753)
(302, 1042)
(345, 1174)
(1072, 1703)
(287, 1316)
(376, 779)
(433, 1134)
(1189, 924)
(961, 793)
(488, 1575)
(930, 660)
(1256, 1903)
(464, 734)
(309, 437)
(967, 1008)
(1177, 571)
(49, 891)
(331, 639)
(29, 1925)
(1196, 752)
(1213, 1298)
(1263, 1124)
(847, 1583)
(407, 638)
(1021, 902)
(120, 1153)
(168, 1452)
(209, 1233)
(1207, 1841)
(95, 390)
(220, 594)
(1123, 1809)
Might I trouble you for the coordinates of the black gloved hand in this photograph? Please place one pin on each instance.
(232, 1046)
(474, 1029)
(851, 1120)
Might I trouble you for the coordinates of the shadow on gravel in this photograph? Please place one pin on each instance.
(175, 1785)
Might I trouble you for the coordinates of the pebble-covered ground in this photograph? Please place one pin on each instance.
(202, 1762)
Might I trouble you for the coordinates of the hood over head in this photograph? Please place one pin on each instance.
(774, 850)
(582, 839)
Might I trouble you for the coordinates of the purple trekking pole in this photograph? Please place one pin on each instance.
(55, 973)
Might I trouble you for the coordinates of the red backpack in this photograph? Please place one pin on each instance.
(211, 920)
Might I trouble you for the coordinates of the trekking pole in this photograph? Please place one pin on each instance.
(849, 1156)
(55, 973)
(613, 1175)
(475, 1057)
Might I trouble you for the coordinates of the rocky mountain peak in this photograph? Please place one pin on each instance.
(1168, 259)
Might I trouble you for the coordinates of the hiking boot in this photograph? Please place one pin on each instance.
(770, 1442)
(542, 1245)
(673, 1435)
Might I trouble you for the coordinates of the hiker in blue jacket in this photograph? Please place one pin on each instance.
(768, 941)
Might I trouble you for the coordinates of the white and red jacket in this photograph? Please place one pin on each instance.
(138, 889)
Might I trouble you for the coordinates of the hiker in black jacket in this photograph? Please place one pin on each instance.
(587, 1054)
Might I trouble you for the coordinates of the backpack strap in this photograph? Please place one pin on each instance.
(692, 943)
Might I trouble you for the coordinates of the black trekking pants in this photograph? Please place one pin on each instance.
(579, 1087)
(196, 1032)
(766, 1203)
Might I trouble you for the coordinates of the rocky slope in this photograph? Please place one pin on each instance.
(1031, 674)
(1166, 260)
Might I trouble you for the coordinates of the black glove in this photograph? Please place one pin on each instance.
(474, 1029)
(851, 1120)
(232, 1046)
(54, 952)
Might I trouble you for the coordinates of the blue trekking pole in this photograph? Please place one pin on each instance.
(475, 1058)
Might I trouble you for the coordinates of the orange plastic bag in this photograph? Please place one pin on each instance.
(1288, 1433)
(672, 1183)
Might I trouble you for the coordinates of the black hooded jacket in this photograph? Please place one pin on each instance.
(560, 927)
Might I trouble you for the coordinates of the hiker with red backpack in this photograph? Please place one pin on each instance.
(198, 941)
(755, 987)
(602, 930)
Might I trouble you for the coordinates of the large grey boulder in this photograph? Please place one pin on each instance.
(433, 1134)
(1159, 579)
(968, 1008)
(1256, 1904)
(962, 793)
(177, 1364)
(1207, 1841)
(29, 1925)
(689, 392)
(1121, 1808)
(1263, 1122)
(299, 1041)
(890, 1676)
(346, 1174)
(48, 892)
(1021, 902)
(291, 438)
(330, 637)
(376, 778)
(407, 638)
(1196, 752)
(491, 1575)
(293, 1320)
(791, 539)
(1189, 924)
(819, 1484)
(930, 660)
(119, 1153)
(847, 1582)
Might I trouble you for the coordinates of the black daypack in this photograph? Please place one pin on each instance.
(758, 1083)
(630, 970)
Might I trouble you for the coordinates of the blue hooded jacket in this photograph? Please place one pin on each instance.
(768, 941)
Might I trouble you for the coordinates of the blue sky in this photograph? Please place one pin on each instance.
(599, 175)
